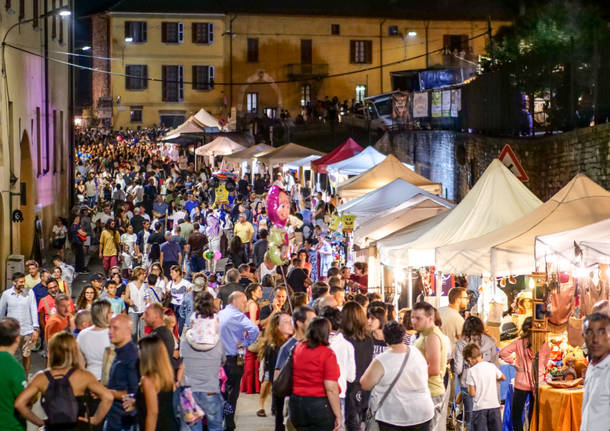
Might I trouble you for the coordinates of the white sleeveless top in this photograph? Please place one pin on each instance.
(409, 403)
(265, 271)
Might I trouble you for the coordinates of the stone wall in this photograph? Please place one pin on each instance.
(457, 160)
(101, 49)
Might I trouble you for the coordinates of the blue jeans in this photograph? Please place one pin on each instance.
(468, 406)
(197, 264)
(487, 420)
(212, 405)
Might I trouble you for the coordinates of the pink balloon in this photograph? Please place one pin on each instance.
(217, 255)
(278, 206)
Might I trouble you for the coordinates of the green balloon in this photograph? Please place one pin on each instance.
(276, 236)
(208, 254)
(275, 255)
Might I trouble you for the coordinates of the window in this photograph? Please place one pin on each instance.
(21, 9)
(137, 77)
(393, 30)
(335, 29)
(360, 93)
(203, 32)
(361, 51)
(455, 42)
(135, 114)
(306, 51)
(8, 4)
(55, 142)
(252, 103)
(35, 13)
(172, 32)
(252, 50)
(305, 94)
(61, 29)
(173, 83)
(203, 77)
(136, 30)
(54, 20)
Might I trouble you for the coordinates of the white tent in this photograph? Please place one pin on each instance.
(358, 164)
(287, 153)
(205, 119)
(586, 246)
(510, 250)
(385, 172)
(189, 126)
(220, 146)
(249, 153)
(419, 206)
(497, 199)
(305, 162)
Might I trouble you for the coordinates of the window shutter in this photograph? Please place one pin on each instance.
(195, 80)
(127, 29)
(194, 32)
(368, 51)
(210, 77)
(352, 51)
(144, 82)
(143, 26)
(128, 71)
(180, 32)
(164, 32)
(464, 42)
(211, 32)
(164, 83)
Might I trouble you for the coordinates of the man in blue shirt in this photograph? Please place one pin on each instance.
(123, 376)
(190, 203)
(171, 254)
(237, 332)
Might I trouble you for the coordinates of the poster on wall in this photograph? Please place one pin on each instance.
(400, 107)
(436, 104)
(420, 105)
(446, 107)
(456, 102)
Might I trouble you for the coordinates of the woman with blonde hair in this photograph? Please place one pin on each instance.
(154, 399)
(66, 367)
(135, 297)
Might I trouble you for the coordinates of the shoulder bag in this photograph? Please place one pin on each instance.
(282, 384)
(371, 423)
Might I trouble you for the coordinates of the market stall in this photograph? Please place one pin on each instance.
(361, 162)
(287, 153)
(207, 120)
(246, 159)
(346, 150)
(191, 128)
(220, 146)
(385, 172)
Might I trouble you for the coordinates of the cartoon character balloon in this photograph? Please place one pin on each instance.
(278, 206)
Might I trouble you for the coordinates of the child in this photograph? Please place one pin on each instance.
(117, 304)
(481, 380)
(82, 321)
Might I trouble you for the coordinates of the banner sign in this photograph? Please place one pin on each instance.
(436, 104)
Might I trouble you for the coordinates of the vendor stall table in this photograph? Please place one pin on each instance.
(560, 409)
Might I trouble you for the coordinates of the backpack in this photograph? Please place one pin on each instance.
(59, 402)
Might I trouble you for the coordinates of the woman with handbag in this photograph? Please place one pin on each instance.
(398, 378)
(314, 403)
(250, 382)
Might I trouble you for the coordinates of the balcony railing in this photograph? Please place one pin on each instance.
(304, 71)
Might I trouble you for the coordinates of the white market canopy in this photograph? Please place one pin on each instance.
(497, 199)
(588, 245)
(249, 153)
(361, 162)
(510, 249)
(385, 172)
(416, 205)
(304, 162)
(188, 127)
(205, 119)
(288, 153)
(221, 146)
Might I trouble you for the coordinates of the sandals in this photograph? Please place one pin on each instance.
(261, 413)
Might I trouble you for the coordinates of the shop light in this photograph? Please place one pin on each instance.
(399, 275)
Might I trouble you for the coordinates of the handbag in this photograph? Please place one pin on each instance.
(190, 411)
(575, 337)
(371, 423)
(282, 384)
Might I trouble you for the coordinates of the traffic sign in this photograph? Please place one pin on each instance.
(510, 160)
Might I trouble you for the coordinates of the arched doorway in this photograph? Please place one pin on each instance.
(26, 201)
(267, 96)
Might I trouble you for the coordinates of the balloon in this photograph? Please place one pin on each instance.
(213, 182)
(276, 237)
(209, 254)
(275, 255)
(217, 255)
(230, 185)
(278, 206)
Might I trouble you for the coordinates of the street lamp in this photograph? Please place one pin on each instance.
(129, 39)
(85, 48)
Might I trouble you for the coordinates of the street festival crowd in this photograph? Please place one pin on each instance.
(203, 297)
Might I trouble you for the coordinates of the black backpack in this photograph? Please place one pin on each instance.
(59, 402)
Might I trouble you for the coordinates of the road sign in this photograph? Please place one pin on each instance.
(510, 160)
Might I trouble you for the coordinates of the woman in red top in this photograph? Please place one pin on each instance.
(314, 403)
(360, 278)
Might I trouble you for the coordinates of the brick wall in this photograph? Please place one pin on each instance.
(100, 48)
(457, 160)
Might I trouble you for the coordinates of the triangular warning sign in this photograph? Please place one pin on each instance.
(507, 156)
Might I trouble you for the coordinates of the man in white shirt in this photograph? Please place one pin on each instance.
(596, 398)
(344, 351)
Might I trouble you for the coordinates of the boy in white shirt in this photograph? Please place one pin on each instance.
(481, 381)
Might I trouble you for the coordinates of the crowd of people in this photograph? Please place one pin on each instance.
(191, 310)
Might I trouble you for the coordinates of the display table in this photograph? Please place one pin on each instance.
(560, 409)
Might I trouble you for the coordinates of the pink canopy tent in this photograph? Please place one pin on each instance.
(344, 151)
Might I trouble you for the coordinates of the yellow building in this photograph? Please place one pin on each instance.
(280, 54)
(34, 126)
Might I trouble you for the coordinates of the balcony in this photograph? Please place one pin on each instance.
(306, 71)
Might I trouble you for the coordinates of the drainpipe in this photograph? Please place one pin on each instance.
(231, 62)
(426, 26)
(381, 56)
(46, 82)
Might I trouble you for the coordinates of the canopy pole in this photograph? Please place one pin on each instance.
(410, 285)
(439, 288)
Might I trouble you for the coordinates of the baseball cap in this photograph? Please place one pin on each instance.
(96, 277)
(199, 283)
